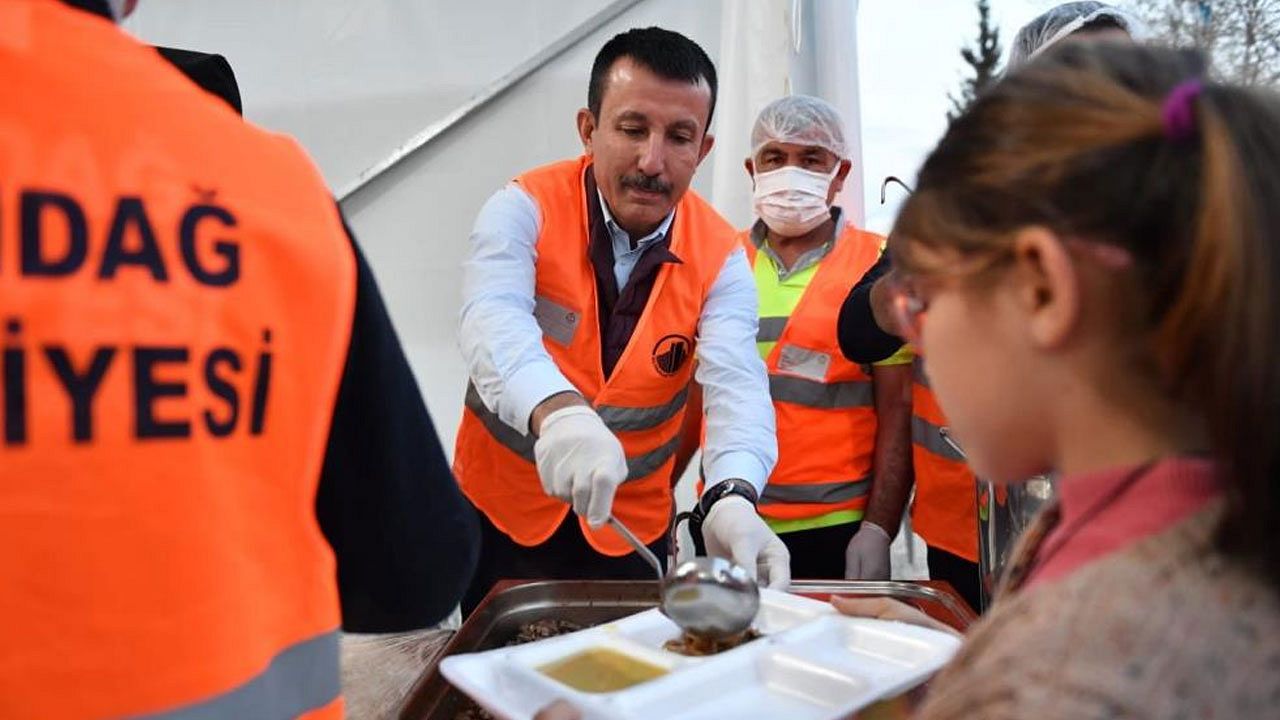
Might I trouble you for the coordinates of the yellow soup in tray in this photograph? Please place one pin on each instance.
(601, 670)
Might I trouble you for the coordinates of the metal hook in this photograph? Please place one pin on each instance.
(892, 179)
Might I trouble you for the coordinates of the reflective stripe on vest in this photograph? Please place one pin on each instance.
(770, 329)
(817, 493)
(637, 466)
(945, 509)
(929, 436)
(823, 403)
(302, 678)
(917, 373)
(827, 396)
(507, 436)
(623, 419)
(642, 401)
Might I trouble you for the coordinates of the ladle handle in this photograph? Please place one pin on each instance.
(640, 547)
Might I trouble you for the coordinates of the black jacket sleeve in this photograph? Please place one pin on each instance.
(406, 540)
(861, 339)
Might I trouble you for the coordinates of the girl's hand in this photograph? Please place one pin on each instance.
(883, 608)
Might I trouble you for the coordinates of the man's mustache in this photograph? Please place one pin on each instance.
(648, 183)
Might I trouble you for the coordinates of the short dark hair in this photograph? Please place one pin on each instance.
(668, 54)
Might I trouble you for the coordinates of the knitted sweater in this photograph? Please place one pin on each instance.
(1165, 628)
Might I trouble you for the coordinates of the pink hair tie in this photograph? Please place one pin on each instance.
(1179, 111)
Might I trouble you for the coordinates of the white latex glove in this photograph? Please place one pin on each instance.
(867, 557)
(580, 461)
(735, 531)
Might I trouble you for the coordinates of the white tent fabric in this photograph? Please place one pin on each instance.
(771, 48)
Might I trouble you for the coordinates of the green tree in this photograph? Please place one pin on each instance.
(983, 58)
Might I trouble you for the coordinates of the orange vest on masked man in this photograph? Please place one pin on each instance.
(825, 405)
(945, 511)
(174, 295)
(643, 401)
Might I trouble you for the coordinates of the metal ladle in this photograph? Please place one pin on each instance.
(708, 597)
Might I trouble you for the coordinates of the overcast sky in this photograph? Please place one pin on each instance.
(909, 59)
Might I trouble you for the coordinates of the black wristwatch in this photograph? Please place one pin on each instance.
(713, 495)
(724, 489)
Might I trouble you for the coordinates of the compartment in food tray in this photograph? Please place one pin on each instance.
(780, 612)
(907, 646)
(885, 652)
(761, 684)
(795, 677)
(599, 663)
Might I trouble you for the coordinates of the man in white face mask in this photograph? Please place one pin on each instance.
(837, 494)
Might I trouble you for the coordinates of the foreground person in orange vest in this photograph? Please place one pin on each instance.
(592, 286)
(196, 493)
(843, 475)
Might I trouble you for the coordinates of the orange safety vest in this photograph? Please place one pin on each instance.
(643, 401)
(174, 294)
(945, 511)
(825, 405)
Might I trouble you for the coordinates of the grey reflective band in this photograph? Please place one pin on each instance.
(301, 678)
(827, 396)
(816, 493)
(650, 462)
(624, 419)
(917, 372)
(522, 445)
(506, 435)
(926, 435)
(770, 329)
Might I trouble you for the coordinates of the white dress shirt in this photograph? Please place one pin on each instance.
(512, 371)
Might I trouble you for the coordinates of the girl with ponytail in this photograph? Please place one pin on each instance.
(1091, 265)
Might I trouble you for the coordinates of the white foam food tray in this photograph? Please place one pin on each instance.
(811, 664)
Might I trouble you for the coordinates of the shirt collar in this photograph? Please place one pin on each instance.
(1174, 477)
(621, 239)
(759, 238)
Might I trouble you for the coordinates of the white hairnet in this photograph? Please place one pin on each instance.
(801, 120)
(1053, 25)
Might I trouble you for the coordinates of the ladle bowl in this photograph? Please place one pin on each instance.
(708, 597)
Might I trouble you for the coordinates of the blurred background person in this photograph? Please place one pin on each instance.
(214, 454)
(837, 493)
(1079, 20)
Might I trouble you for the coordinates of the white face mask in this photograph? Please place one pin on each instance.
(792, 201)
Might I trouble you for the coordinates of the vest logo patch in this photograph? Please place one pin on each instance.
(671, 353)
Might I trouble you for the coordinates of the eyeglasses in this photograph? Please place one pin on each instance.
(910, 293)
(910, 296)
